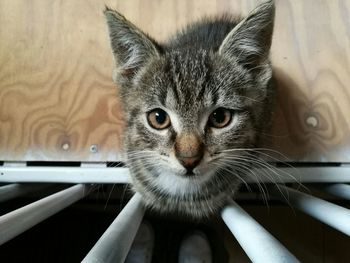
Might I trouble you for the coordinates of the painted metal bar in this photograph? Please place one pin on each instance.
(259, 245)
(20, 220)
(115, 243)
(338, 174)
(120, 175)
(333, 215)
(340, 190)
(10, 191)
(73, 175)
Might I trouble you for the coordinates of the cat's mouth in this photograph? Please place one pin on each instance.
(196, 176)
(190, 174)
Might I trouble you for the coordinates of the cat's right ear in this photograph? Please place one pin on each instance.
(130, 46)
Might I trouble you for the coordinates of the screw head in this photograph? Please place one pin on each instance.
(312, 121)
(65, 146)
(93, 148)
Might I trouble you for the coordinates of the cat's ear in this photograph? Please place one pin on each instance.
(250, 40)
(130, 46)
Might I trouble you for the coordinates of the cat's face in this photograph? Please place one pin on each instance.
(183, 117)
(188, 114)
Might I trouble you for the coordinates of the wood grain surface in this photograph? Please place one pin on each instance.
(58, 101)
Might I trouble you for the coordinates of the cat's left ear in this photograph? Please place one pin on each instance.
(250, 41)
(130, 46)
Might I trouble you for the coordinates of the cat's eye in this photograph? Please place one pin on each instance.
(220, 118)
(158, 119)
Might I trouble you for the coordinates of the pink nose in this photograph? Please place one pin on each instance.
(190, 162)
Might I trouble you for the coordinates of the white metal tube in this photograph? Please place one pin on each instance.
(333, 215)
(340, 190)
(259, 245)
(64, 175)
(115, 243)
(104, 175)
(20, 220)
(339, 174)
(10, 191)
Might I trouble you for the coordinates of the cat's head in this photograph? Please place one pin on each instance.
(190, 110)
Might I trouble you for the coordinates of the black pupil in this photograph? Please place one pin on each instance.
(160, 116)
(219, 116)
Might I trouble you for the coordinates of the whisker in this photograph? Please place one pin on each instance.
(109, 196)
(230, 172)
(125, 188)
(243, 167)
(257, 159)
(264, 165)
(251, 159)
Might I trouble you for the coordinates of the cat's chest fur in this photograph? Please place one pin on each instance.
(195, 107)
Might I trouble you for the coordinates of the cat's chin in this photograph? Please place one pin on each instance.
(181, 184)
(189, 205)
(195, 197)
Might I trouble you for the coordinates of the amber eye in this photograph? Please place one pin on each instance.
(158, 119)
(220, 118)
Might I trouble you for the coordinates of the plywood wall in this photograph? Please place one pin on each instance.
(57, 98)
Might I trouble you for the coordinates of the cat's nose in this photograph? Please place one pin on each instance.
(190, 162)
(189, 151)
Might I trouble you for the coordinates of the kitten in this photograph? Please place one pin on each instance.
(192, 105)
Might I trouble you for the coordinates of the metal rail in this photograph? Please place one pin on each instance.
(20, 220)
(333, 215)
(115, 243)
(10, 191)
(340, 190)
(120, 175)
(259, 245)
(74, 175)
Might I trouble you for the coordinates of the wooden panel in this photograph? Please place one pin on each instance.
(311, 54)
(57, 97)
